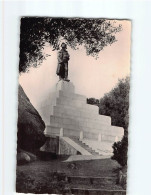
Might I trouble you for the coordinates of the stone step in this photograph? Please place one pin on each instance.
(80, 191)
(72, 103)
(102, 181)
(91, 179)
(76, 115)
(76, 104)
(107, 132)
(100, 119)
(86, 147)
(78, 121)
(74, 129)
(94, 185)
(73, 96)
(81, 112)
(76, 146)
(103, 148)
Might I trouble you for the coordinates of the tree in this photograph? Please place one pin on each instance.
(116, 104)
(120, 151)
(94, 34)
(93, 101)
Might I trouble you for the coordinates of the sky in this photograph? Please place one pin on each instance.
(91, 77)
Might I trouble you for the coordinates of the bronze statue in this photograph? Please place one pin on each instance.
(63, 58)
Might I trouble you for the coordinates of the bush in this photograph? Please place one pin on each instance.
(53, 183)
(120, 151)
(116, 104)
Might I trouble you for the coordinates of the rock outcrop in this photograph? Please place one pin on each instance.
(30, 125)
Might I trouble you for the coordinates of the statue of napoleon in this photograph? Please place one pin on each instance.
(63, 58)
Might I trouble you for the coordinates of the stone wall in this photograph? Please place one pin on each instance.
(66, 149)
(51, 145)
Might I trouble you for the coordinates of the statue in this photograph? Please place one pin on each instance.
(63, 58)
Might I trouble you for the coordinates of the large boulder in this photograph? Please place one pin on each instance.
(30, 125)
(24, 157)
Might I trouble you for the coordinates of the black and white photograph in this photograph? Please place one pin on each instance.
(75, 97)
(73, 105)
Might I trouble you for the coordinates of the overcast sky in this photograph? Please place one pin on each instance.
(91, 77)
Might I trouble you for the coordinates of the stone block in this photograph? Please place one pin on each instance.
(71, 133)
(89, 135)
(67, 87)
(50, 130)
(92, 108)
(57, 125)
(108, 138)
(105, 119)
(72, 96)
(65, 148)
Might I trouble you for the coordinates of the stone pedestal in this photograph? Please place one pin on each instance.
(68, 110)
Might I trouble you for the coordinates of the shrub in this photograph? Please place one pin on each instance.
(55, 183)
(120, 151)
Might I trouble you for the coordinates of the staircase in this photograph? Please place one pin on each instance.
(85, 146)
(95, 185)
(95, 147)
(102, 148)
(68, 110)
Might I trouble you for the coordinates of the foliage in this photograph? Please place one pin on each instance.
(120, 151)
(94, 34)
(93, 101)
(116, 104)
(52, 183)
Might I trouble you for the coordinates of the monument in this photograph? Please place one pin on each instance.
(63, 58)
(67, 114)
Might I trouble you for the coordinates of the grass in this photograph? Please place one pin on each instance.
(45, 176)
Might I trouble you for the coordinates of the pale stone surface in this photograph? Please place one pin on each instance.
(100, 137)
(66, 148)
(68, 110)
(76, 146)
(116, 139)
(103, 148)
(81, 135)
(61, 132)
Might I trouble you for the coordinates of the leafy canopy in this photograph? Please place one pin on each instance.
(116, 104)
(94, 34)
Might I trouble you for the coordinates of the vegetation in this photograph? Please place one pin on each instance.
(94, 34)
(53, 182)
(50, 177)
(93, 101)
(116, 104)
(120, 151)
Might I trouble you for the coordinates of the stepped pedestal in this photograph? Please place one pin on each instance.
(67, 110)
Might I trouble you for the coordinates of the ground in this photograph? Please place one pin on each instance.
(39, 176)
